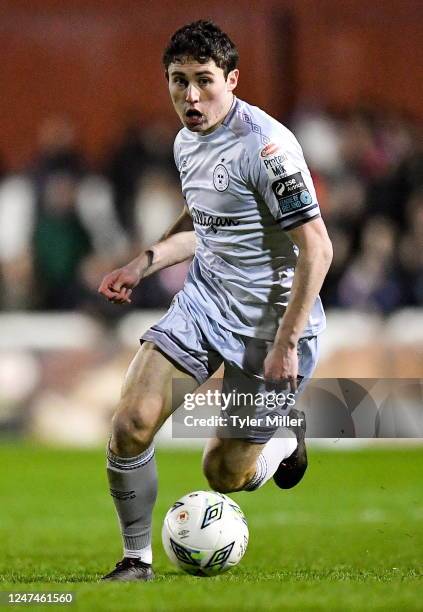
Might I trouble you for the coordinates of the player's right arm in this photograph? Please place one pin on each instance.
(175, 246)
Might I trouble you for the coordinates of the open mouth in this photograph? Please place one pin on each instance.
(192, 112)
(193, 116)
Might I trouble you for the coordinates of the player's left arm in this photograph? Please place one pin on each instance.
(314, 259)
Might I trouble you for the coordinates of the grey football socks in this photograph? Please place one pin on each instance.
(133, 486)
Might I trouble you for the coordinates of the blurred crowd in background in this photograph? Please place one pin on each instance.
(64, 223)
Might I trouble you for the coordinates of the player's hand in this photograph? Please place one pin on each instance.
(281, 364)
(117, 286)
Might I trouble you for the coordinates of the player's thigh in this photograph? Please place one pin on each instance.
(230, 456)
(148, 395)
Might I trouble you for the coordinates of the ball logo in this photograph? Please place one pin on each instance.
(183, 516)
(269, 149)
(220, 178)
(213, 513)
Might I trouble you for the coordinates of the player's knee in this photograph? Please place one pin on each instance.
(131, 431)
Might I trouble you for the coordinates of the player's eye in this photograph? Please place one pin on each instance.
(179, 81)
(204, 81)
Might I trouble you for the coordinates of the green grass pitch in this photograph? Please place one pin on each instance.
(348, 538)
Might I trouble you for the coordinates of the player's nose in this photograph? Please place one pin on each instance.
(192, 95)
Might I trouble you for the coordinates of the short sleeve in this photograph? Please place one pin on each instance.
(279, 173)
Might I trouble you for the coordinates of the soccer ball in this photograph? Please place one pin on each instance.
(205, 533)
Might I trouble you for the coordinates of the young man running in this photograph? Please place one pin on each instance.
(260, 254)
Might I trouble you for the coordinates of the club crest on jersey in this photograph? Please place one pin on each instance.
(220, 178)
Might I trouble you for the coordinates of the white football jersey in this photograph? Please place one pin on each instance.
(245, 184)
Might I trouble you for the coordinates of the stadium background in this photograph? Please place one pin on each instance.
(87, 180)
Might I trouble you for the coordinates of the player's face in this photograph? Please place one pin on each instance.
(200, 94)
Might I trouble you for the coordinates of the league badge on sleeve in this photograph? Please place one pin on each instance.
(292, 193)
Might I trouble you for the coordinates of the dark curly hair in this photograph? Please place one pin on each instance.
(203, 41)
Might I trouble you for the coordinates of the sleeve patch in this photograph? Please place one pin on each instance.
(273, 161)
(292, 193)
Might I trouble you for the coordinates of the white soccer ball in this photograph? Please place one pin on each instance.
(205, 533)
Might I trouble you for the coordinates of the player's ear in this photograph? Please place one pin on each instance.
(232, 80)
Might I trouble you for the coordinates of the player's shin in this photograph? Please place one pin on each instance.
(133, 486)
(275, 451)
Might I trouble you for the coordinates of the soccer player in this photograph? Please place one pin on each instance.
(260, 254)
